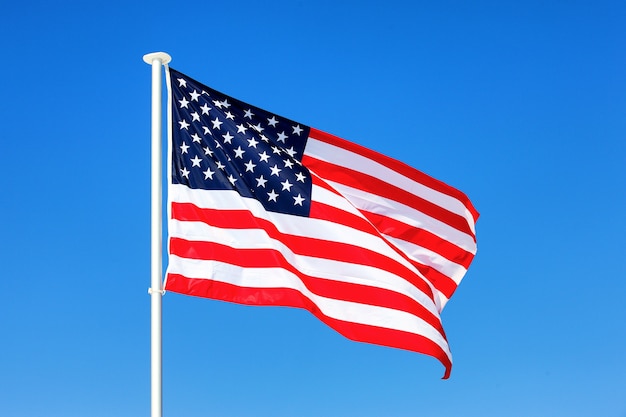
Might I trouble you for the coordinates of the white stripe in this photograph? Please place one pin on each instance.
(343, 157)
(289, 224)
(322, 195)
(379, 205)
(427, 257)
(231, 200)
(316, 267)
(420, 254)
(442, 300)
(337, 309)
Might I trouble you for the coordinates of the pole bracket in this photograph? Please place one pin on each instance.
(153, 291)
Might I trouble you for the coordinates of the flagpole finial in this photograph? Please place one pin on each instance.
(153, 56)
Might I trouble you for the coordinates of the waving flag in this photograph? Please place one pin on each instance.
(268, 211)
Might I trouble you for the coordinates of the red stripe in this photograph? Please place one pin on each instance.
(270, 258)
(420, 237)
(323, 211)
(373, 185)
(443, 283)
(381, 224)
(323, 184)
(397, 166)
(292, 298)
(243, 219)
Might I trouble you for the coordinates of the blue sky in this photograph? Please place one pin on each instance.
(521, 105)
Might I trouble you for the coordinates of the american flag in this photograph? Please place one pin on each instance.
(264, 210)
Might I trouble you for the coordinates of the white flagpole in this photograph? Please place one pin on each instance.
(157, 60)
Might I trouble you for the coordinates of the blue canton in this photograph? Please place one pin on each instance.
(221, 143)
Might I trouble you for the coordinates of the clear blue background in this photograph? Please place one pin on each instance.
(520, 104)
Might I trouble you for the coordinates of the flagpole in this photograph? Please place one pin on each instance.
(157, 60)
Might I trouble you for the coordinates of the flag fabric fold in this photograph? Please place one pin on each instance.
(264, 210)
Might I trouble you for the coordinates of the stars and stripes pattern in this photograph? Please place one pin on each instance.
(222, 143)
(267, 211)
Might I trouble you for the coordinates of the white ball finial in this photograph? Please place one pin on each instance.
(162, 56)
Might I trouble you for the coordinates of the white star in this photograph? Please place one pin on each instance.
(217, 144)
(300, 177)
(252, 142)
(290, 151)
(272, 121)
(286, 185)
(195, 95)
(195, 116)
(248, 113)
(228, 138)
(182, 82)
(297, 130)
(195, 162)
(281, 137)
(260, 182)
(216, 123)
(225, 103)
(229, 115)
(183, 103)
(264, 156)
(250, 166)
(232, 179)
(256, 127)
(196, 138)
(218, 104)
(184, 172)
(205, 109)
(183, 148)
(276, 150)
(264, 139)
(299, 199)
(207, 131)
(272, 196)
(239, 152)
(275, 170)
(288, 163)
(208, 151)
(208, 174)
(241, 128)
(220, 165)
(183, 124)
